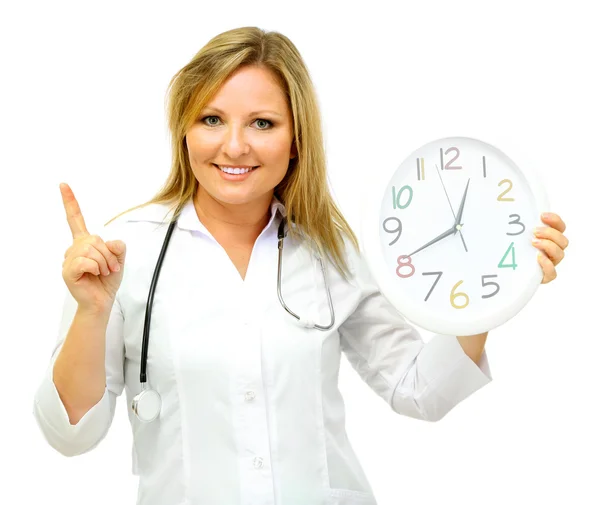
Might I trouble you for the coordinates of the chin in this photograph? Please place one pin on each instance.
(232, 198)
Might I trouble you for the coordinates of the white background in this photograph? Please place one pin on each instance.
(82, 93)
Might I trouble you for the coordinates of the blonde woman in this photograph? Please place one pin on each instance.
(231, 384)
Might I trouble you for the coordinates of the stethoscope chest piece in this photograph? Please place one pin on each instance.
(146, 405)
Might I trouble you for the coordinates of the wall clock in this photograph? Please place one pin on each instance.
(447, 236)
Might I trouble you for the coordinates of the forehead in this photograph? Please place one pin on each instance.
(250, 88)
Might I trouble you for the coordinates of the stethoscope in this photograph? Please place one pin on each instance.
(146, 405)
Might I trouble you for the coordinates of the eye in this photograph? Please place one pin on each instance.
(203, 120)
(265, 121)
(267, 124)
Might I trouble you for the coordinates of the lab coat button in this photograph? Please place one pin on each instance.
(258, 462)
(250, 395)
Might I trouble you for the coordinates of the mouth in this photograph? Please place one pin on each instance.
(234, 171)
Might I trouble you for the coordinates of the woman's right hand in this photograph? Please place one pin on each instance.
(93, 269)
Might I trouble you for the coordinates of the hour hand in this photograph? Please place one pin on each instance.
(460, 209)
(447, 233)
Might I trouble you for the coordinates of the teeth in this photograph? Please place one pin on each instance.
(230, 170)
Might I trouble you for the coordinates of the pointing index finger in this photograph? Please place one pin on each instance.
(74, 215)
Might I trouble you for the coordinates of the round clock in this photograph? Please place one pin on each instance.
(448, 235)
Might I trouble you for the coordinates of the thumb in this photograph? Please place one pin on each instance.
(118, 248)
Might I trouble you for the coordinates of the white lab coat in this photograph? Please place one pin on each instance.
(252, 413)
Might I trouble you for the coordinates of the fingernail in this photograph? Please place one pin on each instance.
(536, 241)
(117, 268)
(546, 215)
(538, 230)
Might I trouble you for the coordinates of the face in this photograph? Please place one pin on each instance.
(247, 124)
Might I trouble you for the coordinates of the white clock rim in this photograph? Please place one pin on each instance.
(369, 233)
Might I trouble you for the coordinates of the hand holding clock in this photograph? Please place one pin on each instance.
(551, 241)
(452, 290)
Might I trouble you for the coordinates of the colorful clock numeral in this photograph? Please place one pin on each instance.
(396, 197)
(407, 264)
(516, 221)
(501, 195)
(513, 265)
(397, 229)
(454, 296)
(448, 165)
(420, 169)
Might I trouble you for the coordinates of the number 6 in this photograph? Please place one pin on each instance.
(454, 295)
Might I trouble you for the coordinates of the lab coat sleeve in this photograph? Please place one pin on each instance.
(48, 409)
(417, 379)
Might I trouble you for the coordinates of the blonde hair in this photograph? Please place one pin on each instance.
(304, 189)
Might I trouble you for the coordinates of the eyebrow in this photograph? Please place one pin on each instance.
(251, 114)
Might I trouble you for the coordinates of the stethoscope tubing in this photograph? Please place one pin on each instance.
(147, 404)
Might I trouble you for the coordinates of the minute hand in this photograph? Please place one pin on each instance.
(447, 233)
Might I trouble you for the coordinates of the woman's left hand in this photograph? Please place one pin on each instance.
(552, 244)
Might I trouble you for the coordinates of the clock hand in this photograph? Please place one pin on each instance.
(456, 220)
(447, 197)
(460, 209)
(461, 237)
(447, 233)
(458, 224)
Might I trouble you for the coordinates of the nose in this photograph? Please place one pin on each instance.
(235, 143)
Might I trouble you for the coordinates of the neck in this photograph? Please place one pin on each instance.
(240, 223)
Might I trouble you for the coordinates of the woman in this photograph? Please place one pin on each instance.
(250, 407)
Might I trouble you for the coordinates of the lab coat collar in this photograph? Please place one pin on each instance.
(188, 219)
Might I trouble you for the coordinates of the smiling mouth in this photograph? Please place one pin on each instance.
(235, 171)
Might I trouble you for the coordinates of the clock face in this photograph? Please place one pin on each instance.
(449, 239)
